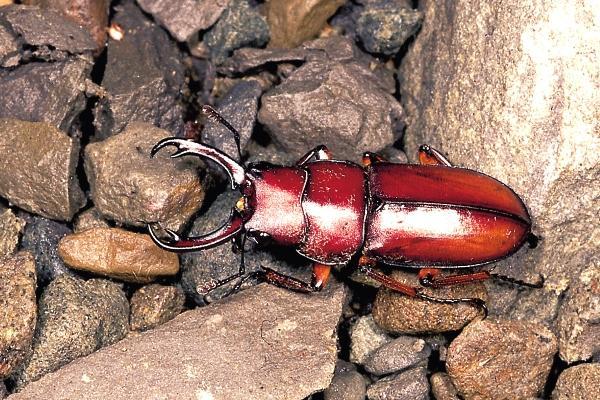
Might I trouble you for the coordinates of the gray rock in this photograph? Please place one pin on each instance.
(399, 354)
(399, 314)
(347, 383)
(131, 188)
(76, 317)
(366, 337)
(88, 219)
(442, 387)
(9, 49)
(45, 34)
(263, 343)
(581, 382)
(579, 317)
(239, 26)
(41, 237)
(48, 92)
(239, 107)
(501, 359)
(408, 385)
(340, 104)
(18, 305)
(10, 231)
(3, 390)
(384, 26)
(184, 18)
(473, 91)
(144, 77)
(153, 305)
(37, 168)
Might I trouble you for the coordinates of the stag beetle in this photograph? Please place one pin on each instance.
(430, 216)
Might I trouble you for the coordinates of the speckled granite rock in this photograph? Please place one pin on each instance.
(581, 382)
(10, 230)
(153, 305)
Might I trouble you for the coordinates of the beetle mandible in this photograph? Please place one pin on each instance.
(430, 216)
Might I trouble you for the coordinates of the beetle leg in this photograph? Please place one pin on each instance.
(430, 277)
(369, 158)
(320, 152)
(430, 156)
(212, 114)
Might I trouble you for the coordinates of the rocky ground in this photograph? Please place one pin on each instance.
(91, 308)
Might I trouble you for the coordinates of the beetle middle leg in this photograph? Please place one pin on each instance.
(430, 156)
(320, 152)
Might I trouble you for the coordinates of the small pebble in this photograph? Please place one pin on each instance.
(408, 385)
(347, 383)
(90, 218)
(400, 314)
(366, 337)
(153, 305)
(501, 359)
(18, 305)
(399, 354)
(581, 382)
(10, 230)
(114, 252)
(442, 387)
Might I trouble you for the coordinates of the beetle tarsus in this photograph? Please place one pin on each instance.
(213, 115)
(535, 285)
(474, 301)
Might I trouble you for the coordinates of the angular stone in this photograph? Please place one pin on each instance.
(505, 88)
(347, 383)
(581, 382)
(41, 237)
(399, 354)
(408, 385)
(263, 343)
(18, 305)
(76, 317)
(117, 253)
(578, 319)
(153, 305)
(131, 188)
(37, 168)
(10, 230)
(400, 314)
(520, 352)
(92, 14)
(184, 18)
(366, 337)
(239, 26)
(293, 21)
(144, 77)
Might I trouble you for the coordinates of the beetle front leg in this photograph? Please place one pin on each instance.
(430, 156)
(320, 152)
(369, 158)
(320, 277)
(430, 277)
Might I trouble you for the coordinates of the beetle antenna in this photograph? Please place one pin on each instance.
(212, 114)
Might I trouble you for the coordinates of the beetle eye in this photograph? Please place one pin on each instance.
(241, 204)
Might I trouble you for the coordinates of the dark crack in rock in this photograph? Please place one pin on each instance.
(10, 231)
(144, 77)
(581, 382)
(41, 237)
(37, 168)
(408, 385)
(76, 318)
(263, 343)
(239, 26)
(153, 305)
(18, 305)
(184, 18)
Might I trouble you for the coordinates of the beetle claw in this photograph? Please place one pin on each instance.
(173, 236)
(180, 144)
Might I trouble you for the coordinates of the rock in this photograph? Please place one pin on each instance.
(285, 348)
(581, 382)
(578, 319)
(293, 21)
(41, 237)
(117, 253)
(184, 18)
(408, 385)
(501, 359)
(400, 314)
(90, 218)
(76, 317)
(10, 230)
(144, 77)
(399, 354)
(47, 92)
(384, 26)
(366, 337)
(347, 383)
(153, 305)
(239, 26)
(340, 104)
(37, 168)
(131, 188)
(442, 387)
(239, 107)
(9, 49)
(18, 305)
(502, 89)
(91, 14)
